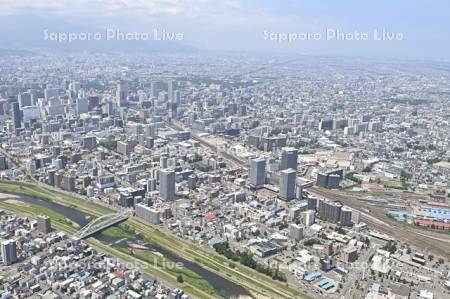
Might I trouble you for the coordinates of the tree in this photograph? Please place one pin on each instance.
(180, 279)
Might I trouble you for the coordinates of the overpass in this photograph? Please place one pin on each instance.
(99, 224)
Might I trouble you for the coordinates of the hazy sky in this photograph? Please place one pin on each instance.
(423, 25)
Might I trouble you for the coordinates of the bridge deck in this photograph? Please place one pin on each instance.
(100, 224)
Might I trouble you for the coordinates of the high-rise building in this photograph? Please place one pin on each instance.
(154, 89)
(326, 124)
(355, 217)
(51, 93)
(44, 224)
(330, 179)
(89, 142)
(167, 184)
(346, 216)
(16, 115)
(123, 147)
(151, 185)
(295, 232)
(331, 210)
(148, 214)
(121, 93)
(82, 105)
(287, 184)
(308, 217)
(289, 156)
(257, 172)
(24, 100)
(9, 252)
(349, 255)
(172, 85)
(3, 163)
(151, 130)
(312, 203)
(68, 183)
(294, 212)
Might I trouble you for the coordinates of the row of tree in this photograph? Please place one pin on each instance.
(247, 259)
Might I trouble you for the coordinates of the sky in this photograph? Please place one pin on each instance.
(412, 29)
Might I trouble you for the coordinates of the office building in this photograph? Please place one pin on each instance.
(44, 224)
(295, 232)
(151, 185)
(309, 217)
(172, 85)
(327, 263)
(330, 210)
(51, 94)
(82, 105)
(68, 183)
(24, 100)
(287, 184)
(257, 172)
(330, 179)
(89, 142)
(346, 216)
(3, 163)
(16, 115)
(121, 93)
(123, 148)
(9, 252)
(167, 184)
(355, 216)
(149, 214)
(312, 203)
(349, 255)
(294, 212)
(289, 156)
(105, 181)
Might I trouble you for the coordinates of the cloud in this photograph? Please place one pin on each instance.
(117, 7)
(91, 7)
(200, 11)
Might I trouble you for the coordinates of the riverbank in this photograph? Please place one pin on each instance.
(257, 283)
(200, 289)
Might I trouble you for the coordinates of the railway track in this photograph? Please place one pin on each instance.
(427, 241)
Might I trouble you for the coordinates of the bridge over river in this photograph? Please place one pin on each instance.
(100, 224)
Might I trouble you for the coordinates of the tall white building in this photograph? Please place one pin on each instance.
(309, 217)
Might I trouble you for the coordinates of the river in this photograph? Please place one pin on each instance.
(223, 287)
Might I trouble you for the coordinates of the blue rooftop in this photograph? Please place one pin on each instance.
(326, 283)
(436, 213)
(313, 275)
(400, 215)
(213, 241)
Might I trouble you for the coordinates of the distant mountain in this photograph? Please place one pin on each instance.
(28, 33)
